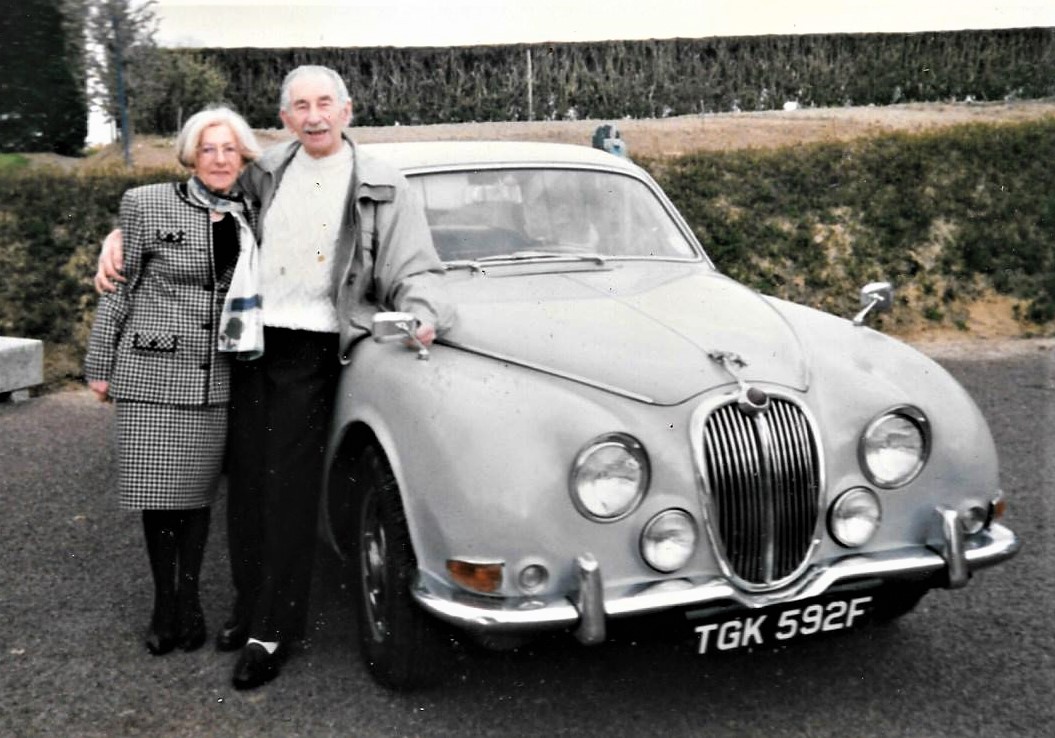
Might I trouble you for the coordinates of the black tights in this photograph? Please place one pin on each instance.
(176, 546)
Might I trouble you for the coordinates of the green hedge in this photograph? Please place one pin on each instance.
(652, 78)
(51, 226)
(948, 216)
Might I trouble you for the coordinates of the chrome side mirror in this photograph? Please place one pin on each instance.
(389, 327)
(875, 296)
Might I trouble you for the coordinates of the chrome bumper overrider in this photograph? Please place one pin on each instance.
(587, 610)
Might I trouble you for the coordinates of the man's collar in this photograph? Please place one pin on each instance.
(369, 170)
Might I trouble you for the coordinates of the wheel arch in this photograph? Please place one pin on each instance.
(347, 446)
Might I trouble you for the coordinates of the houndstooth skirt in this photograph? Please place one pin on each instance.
(169, 456)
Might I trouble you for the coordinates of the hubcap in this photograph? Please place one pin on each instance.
(372, 568)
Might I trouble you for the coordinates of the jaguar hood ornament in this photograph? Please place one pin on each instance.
(751, 400)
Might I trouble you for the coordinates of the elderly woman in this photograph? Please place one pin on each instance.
(154, 350)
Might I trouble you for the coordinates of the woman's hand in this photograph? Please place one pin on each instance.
(101, 388)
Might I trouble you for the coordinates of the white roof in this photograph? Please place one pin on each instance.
(444, 154)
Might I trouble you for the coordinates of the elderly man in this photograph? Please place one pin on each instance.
(341, 236)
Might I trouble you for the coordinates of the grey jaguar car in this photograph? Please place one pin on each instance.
(614, 431)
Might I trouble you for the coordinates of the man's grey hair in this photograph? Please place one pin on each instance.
(190, 136)
(308, 70)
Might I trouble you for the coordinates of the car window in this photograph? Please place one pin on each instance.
(480, 214)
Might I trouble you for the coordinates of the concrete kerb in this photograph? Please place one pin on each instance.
(21, 367)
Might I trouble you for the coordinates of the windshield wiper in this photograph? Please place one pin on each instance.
(476, 265)
(530, 255)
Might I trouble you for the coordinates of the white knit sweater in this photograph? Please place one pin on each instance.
(300, 239)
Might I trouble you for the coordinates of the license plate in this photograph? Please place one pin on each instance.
(773, 627)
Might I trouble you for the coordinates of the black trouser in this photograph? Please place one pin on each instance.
(281, 405)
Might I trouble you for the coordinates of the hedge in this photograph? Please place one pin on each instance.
(948, 216)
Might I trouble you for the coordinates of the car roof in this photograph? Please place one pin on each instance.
(420, 155)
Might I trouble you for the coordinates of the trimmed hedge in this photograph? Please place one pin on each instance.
(948, 216)
(651, 78)
(51, 226)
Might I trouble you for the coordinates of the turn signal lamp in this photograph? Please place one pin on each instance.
(478, 577)
(999, 508)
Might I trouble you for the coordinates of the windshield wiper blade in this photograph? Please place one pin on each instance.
(530, 255)
(462, 264)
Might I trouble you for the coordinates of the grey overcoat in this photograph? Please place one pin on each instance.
(385, 258)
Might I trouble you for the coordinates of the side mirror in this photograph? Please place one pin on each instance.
(877, 297)
(390, 327)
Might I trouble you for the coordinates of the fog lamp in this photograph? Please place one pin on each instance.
(997, 508)
(668, 540)
(479, 577)
(854, 517)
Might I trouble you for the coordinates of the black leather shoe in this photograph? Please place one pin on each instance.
(192, 633)
(256, 667)
(232, 635)
(161, 636)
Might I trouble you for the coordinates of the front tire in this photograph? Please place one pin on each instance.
(402, 646)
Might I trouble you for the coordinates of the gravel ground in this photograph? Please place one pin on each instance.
(75, 598)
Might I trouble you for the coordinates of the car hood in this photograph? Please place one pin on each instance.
(640, 329)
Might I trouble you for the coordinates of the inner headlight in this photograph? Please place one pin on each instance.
(894, 447)
(854, 517)
(669, 539)
(609, 477)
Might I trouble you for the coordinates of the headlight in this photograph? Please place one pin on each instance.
(854, 518)
(609, 477)
(894, 447)
(668, 541)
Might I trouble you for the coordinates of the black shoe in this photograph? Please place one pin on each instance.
(256, 666)
(232, 635)
(161, 636)
(192, 633)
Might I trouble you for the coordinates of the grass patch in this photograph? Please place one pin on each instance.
(12, 163)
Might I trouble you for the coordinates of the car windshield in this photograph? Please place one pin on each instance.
(539, 213)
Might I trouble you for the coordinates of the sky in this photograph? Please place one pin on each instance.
(195, 23)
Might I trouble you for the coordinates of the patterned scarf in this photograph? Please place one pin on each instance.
(242, 319)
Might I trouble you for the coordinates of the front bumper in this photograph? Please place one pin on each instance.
(948, 561)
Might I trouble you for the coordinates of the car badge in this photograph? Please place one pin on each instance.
(751, 400)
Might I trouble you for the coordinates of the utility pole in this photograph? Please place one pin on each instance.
(530, 82)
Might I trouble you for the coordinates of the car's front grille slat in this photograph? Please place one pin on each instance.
(763, 477)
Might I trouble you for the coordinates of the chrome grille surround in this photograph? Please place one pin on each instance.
(761, 478)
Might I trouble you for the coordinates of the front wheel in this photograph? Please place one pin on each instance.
(402, 646)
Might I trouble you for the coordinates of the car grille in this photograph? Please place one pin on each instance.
(763, 474)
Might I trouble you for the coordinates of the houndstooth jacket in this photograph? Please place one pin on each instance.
(154, 339)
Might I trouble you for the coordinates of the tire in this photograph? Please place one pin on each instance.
(402, 646)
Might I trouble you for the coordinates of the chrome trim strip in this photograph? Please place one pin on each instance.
(486, 614)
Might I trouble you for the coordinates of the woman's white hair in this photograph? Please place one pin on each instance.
(219, 115)
(311, 69)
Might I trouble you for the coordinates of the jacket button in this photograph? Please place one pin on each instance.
(206, 325)
(205, 365)
(207, 287)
